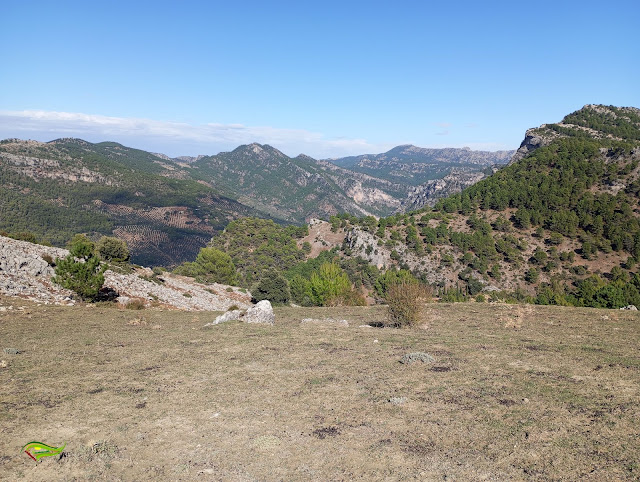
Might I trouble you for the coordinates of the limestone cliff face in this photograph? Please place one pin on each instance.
(41, 168)
(533, 139)
(428, 193)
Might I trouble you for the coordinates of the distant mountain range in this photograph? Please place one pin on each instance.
(167, 208)
(416, 165)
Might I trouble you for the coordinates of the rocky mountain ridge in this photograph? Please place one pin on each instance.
(167, 208)
(545, 134)
(414, 165)
(561, 224)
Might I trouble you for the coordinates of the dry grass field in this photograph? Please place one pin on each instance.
(515, 393)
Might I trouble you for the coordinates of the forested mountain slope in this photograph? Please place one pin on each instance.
(295, 189)
(70, 186)
(560, 223)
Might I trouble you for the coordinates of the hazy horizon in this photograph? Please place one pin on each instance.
(327, 80)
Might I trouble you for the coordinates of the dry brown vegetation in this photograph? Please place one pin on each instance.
(544, 393)
(406, 302)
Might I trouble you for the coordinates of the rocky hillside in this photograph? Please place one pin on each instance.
(561, 223)
(592, 121)
(168, 208)
(293, 189)
(430, 192)
(70, 186)
(24, 273)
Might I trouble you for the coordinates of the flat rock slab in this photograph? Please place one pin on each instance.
(329, 321)
(228, 316)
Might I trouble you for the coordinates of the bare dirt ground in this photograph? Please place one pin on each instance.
(515, 393)
(322, 238)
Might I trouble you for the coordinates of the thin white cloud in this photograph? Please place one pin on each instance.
(175, 138)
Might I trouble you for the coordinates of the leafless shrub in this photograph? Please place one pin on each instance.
(406, 302)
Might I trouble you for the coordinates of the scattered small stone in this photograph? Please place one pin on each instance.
(365, 326)
(397, 400)
(630, 308)
(3, 364)
(410, 358)
(104, 449)
(260, 313)
(24, 274)
(525, 400)
(156, 327)
(325, 320)
(11, 351)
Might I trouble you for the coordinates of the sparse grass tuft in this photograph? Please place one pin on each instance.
(135, 305)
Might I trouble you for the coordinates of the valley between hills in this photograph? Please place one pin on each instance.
(555, 222)
(502, 387)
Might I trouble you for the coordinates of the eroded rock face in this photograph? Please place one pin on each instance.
(260, 313)
(532, 141)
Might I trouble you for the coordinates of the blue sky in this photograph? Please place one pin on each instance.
(324, 78)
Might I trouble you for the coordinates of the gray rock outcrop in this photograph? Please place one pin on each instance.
(260, 313)
(532, 141)
(25, 273)
(228, 316)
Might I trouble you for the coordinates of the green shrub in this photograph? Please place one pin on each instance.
(80, 271)
(330, 286)
(273, 287)
(531, 276)
(300, 289)
(211, 266)
(24, 236)
(112, 249)
(390, 278)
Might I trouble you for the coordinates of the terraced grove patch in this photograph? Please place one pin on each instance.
(514, 393)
